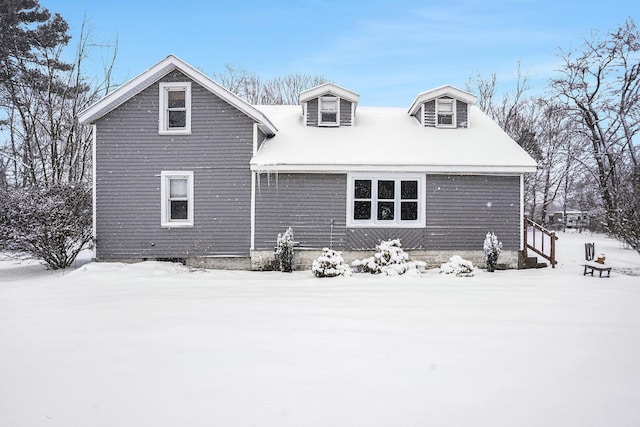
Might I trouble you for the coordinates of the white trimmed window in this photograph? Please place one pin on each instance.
(176, 192)
(446, 113)
(175, 108)
(328, 111)
(386, 201)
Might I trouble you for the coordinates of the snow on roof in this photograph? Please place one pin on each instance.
(446, 90)
(155, 73)
(388, 139)
(326, 88)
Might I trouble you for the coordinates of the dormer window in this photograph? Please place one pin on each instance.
(329, 111)
(443, 107)
(445, 113)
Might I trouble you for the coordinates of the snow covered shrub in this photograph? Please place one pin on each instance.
(330, 264)
(284, 251)
(390, 259)
(51, 223)
(458, 266)
(492, 249)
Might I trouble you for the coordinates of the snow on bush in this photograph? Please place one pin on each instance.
(458, 266)
(284, 250)
(390, 259)
(330, 264)
(52, 223)
(492, 248)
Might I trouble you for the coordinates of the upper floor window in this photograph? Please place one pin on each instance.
(329, 111)
(386, 201)
(175, 108)
(445, 113)
(176, 192)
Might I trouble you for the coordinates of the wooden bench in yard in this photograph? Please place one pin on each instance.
(591, 265)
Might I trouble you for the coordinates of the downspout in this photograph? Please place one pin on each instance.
(94, 131)
(522, 230)
(253, 190)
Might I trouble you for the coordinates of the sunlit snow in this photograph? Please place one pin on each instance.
(157, 344)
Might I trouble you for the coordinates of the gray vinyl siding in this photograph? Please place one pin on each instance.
(312, 112)
(460, 210)
(462, 114)
(430, 113)
(130, 155)
(312, 204)
(345, 112)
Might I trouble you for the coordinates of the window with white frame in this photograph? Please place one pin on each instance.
(329, 111)
(386, 201)
(176, 192)
(446, 113)
(175, 108)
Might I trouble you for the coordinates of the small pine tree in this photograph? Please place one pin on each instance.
(492, 248)
(330, 264)
(284, 251)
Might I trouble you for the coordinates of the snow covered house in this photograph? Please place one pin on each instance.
(184, 169)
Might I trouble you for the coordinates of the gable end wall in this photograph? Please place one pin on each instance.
(130, 155)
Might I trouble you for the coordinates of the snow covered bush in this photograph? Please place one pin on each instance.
(51, 223)
(492, 248)
(330, 264)
(284, 251)
(390, 259)
(458, 266)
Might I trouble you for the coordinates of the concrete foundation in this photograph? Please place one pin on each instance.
(303, 258)
(264, 260)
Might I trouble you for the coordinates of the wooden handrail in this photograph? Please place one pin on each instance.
(551, 237)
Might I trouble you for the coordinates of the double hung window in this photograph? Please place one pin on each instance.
(175, 108)
(386, 201)
(446, 109)
(329, 111)
(177, 199)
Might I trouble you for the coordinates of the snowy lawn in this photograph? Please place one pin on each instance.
(156, 344)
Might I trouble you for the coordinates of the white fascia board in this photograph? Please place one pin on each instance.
(337, 168)
(326, 88)
(153, 74)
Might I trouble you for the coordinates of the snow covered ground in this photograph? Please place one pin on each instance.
(157, 344)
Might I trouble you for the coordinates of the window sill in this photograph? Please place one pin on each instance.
(391, 225)
(174, 132)
(176, 225)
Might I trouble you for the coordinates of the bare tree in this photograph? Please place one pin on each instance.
(45, 144)
(276, 91)
(600, 85)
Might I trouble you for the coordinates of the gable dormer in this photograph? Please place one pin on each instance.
(443, 107)
(328, 105)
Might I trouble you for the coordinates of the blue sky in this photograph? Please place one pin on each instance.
(387, 51)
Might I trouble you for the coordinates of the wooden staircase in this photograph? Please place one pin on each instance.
(541, 242)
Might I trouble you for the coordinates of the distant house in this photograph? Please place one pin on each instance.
(570, 219)
(184, 169)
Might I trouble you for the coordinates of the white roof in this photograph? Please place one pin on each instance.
(388, 139)
(155, 73)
